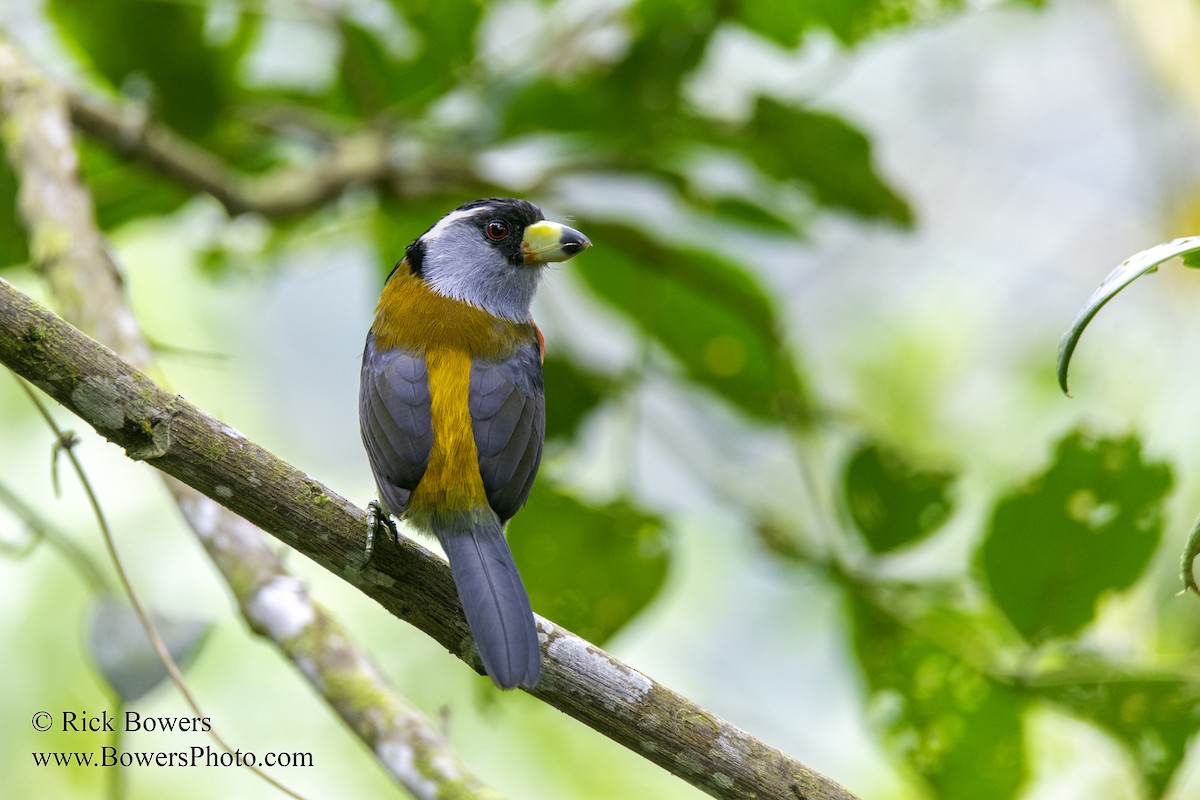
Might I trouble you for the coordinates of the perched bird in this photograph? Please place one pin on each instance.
(451, 406)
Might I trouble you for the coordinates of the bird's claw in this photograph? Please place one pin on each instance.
(377, 518)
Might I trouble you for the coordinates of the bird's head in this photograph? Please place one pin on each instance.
(490, 253)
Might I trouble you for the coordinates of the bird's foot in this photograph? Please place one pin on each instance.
(377, 519)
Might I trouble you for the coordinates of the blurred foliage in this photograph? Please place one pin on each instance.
(1153, 716)
(937, 659)
(957, 726)
(709, 313)
(13, 249)
(373, 81)
(452, 83)
(123, 654)
(123, 194)
(573, 393)
(137, 42)
(569, 552)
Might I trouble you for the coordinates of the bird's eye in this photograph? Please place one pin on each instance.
(496, 230)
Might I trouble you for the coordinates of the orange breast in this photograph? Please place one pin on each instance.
(450, 334)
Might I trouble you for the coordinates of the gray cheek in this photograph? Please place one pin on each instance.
(463, 266)
(453, 263)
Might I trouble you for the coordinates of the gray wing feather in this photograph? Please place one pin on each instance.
(395, 421)
(508, 417)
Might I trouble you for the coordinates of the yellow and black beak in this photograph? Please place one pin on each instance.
(547, 241)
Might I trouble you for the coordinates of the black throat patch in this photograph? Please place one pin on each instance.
(415, 256)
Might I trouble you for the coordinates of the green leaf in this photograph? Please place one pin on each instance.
(1187, 564)
(1154, 718)
(123, 191)
(449, 30)
(13, 246)
(820, 151)
(782, 21)
(367, 74)
(744, 212)
(710, 314)
(163, 43)
(589, 568)
(761, 204)
(954, 725)
(674, 35)
(893, 503)
(636, 101)
(1129, 271)
(849, 20)
(119, 647)
(1085, 527)
(376, 79)
(373, 80)
(572, 393)
(575, 107)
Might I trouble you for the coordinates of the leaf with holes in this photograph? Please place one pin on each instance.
(1084, 527)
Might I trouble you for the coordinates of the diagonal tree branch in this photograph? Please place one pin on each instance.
(67, 249)
(128, 408)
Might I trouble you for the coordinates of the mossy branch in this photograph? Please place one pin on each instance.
(129, 409)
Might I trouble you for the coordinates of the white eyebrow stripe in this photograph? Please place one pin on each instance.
(454, 216)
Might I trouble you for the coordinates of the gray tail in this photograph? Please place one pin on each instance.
(495, 602)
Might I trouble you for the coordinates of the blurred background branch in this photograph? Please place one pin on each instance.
(359, 157)
(40, 530)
